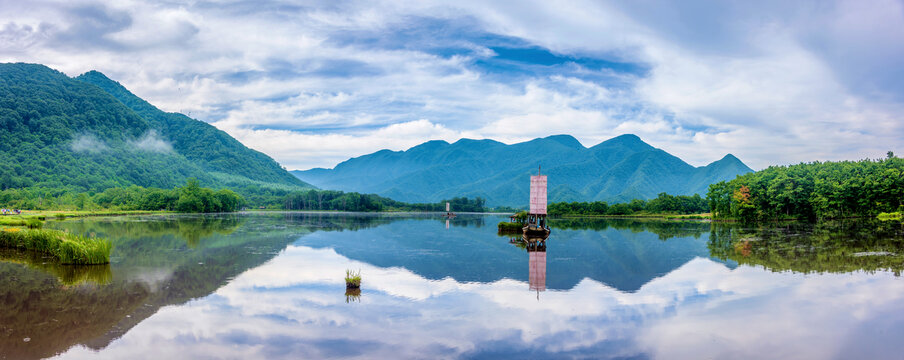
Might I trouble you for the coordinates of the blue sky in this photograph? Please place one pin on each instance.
(314, 83)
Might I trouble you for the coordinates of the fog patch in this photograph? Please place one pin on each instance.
(87, 143)
(151, 141)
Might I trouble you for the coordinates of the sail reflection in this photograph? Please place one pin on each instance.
(536, 260)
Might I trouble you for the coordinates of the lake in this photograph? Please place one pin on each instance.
(271, 285)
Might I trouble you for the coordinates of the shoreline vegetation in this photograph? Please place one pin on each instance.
(812, 191)
(68, 248)
(803, 192)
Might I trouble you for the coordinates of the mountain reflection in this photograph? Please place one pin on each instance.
(294, 262)
(624, 254)
(156, 261)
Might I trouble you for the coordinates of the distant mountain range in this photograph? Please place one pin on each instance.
(89, 133)
(617, 170)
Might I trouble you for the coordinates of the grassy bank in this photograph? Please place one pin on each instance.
(67, 248)
(48, 214)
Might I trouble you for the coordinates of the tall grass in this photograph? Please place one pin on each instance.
(68, 248)
(33, 223)
(12, 222)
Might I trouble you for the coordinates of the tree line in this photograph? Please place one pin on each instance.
(812, 191)
(662, 204)
(353, 201)
(191, 198)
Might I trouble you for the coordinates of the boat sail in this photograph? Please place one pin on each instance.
(536, 217)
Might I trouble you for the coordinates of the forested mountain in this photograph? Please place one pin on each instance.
(198, 141)
(616, 170)
(90, 133)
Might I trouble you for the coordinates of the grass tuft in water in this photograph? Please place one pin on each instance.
(352, 279)
(68, 248)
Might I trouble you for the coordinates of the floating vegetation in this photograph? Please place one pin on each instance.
(65, 247)
(352, 279)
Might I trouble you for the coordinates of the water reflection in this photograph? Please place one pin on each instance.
(352, 294)
(66, 274)
(156, 261)
(536, 260)
(536, 254)
(836, 247)
(270, 285)
(288, 308)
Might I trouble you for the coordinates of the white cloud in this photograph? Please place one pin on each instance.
(87, 143)
(302, 150)
(773, 83)
(152, 142)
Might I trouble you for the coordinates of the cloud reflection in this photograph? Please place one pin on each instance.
(294, 306)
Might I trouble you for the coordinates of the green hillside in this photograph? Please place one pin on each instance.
(211, 148)
(59, 132)
(616, 170)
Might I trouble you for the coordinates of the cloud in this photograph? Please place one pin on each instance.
(772, 82)
(151, 142)
(87, 143)
(306, 150)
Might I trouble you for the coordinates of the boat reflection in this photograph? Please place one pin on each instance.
(536, 260)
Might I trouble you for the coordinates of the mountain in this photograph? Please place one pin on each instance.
(89, 133)
(617, 170)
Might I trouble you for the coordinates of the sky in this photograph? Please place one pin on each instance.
(313, 83)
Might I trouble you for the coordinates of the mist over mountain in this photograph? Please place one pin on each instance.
(615, 170)
(89, 133)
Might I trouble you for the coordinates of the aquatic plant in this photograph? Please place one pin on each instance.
(352, 279)
(68, 248)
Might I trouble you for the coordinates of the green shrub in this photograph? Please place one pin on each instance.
(33, 223)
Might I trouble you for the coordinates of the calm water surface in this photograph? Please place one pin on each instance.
(271, 286)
